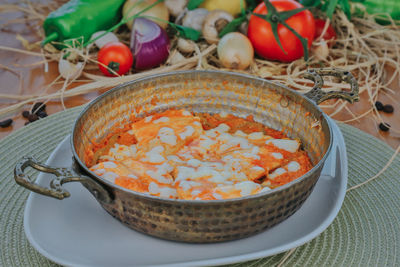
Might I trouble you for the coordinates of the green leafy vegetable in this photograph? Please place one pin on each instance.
(310, 3)
(252, 4)
(186, 32)
(329, 6)
(233, 25)
(193, 4)
(345, 6)
(387, 10)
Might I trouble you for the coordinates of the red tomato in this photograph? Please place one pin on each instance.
(263, 40)
(116, 56)
(330, 34)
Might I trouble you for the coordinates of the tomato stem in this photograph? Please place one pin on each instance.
(113, 66)
(274, 17)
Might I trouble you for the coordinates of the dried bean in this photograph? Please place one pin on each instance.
(25, 114)
(383, 126)
(42, 114)
(6, 123)
(33, 117)
(379, 105)
(37, 107)
(388, 108)
(26, 123)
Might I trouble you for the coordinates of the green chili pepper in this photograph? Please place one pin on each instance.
(80, 19)
(391, 7)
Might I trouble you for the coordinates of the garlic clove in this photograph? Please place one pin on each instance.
(185, 46)
(321, 50)
(107, 38)
(69, 70)
(195, 18)
(175, 58)
(213, 23)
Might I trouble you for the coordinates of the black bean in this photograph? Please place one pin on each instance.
(379, 105)
(33, 117)
(6, 123)
(42, 114)
(383, 126)
(39, 106)
(26, 123)
(25, 113)
(388, 108)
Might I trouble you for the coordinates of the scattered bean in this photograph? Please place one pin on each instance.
(37, 107)
(33, 117)
(6, 123)
(26, 123)
(42, 114)
(388, 108)
(25, 114)
(383, 126)
(379, 105)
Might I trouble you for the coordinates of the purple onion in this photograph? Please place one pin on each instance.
(149, 44)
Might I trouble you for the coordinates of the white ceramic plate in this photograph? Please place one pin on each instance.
(77, 231)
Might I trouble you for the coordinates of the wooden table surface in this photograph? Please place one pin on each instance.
(33, 79)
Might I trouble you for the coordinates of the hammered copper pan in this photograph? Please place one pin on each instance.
(270, 103)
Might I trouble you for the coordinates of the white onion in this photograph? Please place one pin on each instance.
(235, 51)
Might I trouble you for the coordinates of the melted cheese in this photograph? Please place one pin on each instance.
(162, 191)
(189, 130)
(285, 144)
(276, 173)
(167, 136)
(277, 155)
(162, 119)
(110, 176)
(147, 119)
(175, 158)
(154, 155)
(293, 166)
(247, 188)
(255, 136)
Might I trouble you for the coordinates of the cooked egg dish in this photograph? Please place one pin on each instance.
(180, 155)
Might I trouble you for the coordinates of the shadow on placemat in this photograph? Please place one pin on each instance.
(365, 232)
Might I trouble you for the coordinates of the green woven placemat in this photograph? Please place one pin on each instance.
(365, 233)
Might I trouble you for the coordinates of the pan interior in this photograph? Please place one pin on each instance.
(205, 91)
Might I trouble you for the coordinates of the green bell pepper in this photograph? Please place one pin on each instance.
(79, 19)
(391, 7)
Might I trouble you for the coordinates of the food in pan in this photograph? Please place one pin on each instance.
(180, 155)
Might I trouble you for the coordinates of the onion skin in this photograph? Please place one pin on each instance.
(149, 44)
(235, 51)
(102, 41)
(69, 70)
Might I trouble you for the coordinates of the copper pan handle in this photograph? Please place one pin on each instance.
(62, 176)
(317, 95)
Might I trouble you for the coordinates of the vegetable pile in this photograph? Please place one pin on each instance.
(118, 41)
